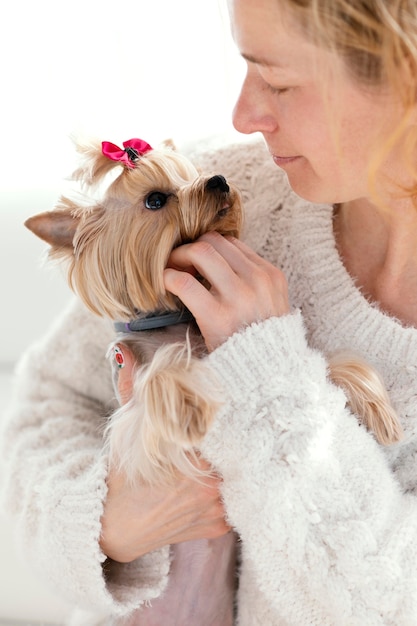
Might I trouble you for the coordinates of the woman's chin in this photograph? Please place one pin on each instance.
(313, 193)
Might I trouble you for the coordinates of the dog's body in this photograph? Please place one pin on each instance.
(200, 590)
(117, 251)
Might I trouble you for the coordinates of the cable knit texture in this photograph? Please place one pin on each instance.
(327, 517)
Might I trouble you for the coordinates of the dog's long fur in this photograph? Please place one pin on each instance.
(116, 251)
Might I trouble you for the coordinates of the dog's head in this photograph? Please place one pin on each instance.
(118, 247)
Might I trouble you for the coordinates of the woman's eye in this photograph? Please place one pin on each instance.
(277, 90)
(156, 200)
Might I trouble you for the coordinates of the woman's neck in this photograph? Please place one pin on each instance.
(379, 250)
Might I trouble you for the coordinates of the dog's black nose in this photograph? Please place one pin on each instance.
(217, 182)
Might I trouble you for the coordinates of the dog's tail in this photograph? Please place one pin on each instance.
(367, 396)
(174, 401)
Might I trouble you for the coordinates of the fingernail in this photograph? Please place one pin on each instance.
(118, 357)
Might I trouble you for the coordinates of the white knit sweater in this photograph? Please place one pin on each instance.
(327, 517)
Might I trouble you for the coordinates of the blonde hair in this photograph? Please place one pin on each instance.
(377, 42)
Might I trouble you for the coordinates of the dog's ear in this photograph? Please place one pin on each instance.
(55, 227)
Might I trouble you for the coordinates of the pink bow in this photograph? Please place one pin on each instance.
(133, 149)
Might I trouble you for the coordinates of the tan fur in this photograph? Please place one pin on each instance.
(116, 255)
(175, 398)
(367, 396)
(116, 251)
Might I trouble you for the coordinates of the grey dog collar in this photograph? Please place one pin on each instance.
(154, 320)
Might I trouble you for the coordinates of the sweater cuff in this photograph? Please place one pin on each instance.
(264, 355)
(267, 372)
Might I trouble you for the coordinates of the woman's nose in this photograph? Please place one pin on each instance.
(253, 112)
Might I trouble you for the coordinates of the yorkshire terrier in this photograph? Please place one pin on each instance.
(117, 250)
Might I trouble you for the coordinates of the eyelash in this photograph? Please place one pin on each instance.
(276, 91)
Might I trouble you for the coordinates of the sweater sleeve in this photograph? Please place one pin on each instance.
(54, 469)
(327, 536)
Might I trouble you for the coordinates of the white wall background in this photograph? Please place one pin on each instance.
(146, 68)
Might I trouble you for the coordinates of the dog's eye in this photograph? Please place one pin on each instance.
(156, 200)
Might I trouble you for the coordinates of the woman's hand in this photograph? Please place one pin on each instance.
(244, 287)
(138, 519)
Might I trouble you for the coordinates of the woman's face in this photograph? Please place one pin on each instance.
(320, 127)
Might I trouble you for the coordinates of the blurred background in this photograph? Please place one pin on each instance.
(139, 68)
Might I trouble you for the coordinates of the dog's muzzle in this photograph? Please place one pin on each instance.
(217, 183)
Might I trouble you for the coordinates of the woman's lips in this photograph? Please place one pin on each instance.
(282, 160)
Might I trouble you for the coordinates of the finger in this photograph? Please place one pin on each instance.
(207, 246)
(195, 258)
(189, 290)
(208, 260)
(125, 366)
(247, 251)
(254, 276)
(238, 254)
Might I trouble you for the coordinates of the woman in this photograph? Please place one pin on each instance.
(327, 518)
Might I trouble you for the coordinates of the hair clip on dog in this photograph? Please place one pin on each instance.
(132, 150)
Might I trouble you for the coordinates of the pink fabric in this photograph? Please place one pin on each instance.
(115, 153)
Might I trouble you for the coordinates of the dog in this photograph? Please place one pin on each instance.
(116, 250)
